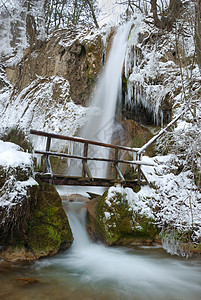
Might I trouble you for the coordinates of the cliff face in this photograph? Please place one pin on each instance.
(50, 87)
(73, 56)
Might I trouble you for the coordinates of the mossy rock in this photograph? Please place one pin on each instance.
(43, 225)
(117, 222)
(49, 229)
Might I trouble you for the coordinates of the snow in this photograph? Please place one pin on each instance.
(176, 197)
(137, 204)
(12, 155)
(110, 12)
(36, 108)
(107, 215)
(13, 191)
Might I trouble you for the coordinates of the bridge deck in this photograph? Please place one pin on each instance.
(72, 180)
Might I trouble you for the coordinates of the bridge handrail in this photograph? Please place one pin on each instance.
(132, 162)
(81, 140)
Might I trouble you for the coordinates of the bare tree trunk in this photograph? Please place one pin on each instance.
(198, 32)
(93, 13)
(158, 23)
(74, 13)
(173, 12)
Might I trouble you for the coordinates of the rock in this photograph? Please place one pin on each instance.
(33, 223)
(18, 137)
(75, 58)
(15, 202)
(27, 281)
(75, 198)
(47, 228)
(16, 254)
(113, 222)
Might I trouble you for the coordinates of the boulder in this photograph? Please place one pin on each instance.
(111, 220)
(33, 223)
(44, 227)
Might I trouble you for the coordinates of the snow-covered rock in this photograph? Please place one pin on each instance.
(26, 233)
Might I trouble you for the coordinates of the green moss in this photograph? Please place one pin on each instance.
(199, 247)
(146, 227)
(121, 222)
(49, 228)
(44, 238)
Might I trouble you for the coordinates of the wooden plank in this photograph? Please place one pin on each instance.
(70, 180)
(132, 162)
(81, 140)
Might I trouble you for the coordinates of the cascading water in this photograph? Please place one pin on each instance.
(119, 273)
(93, 271)
(100, 127)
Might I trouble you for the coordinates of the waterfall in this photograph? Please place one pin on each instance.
(100, 128)
(119, 272)
(77, 215)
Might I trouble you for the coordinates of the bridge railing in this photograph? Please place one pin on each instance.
(85, 158)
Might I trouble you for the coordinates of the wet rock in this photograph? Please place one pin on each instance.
(113, 222)
(47, 229)
(33, 223)
(26, 281)
(75, 198)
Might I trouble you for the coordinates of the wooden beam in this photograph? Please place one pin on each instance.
(81, 140)
(132, 162)
(79, 181)
(84, 160)
(116, 163)
(47, 165)
(87, 171)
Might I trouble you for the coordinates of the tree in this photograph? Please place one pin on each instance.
(198, 31)
(169, 16)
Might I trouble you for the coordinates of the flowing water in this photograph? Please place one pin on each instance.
(93, 271)
(107, 93)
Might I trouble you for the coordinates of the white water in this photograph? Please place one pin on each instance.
(106, 95)
(120, 273)
(91, 271)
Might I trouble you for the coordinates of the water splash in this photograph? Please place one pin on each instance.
(127, 274)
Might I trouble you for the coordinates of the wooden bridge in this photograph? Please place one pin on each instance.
(87, 179)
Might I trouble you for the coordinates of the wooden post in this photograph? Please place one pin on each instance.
(84, 161)
(47, 164)
(116, 163)
(139, 157)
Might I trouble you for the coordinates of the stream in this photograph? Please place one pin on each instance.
(92, 271)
